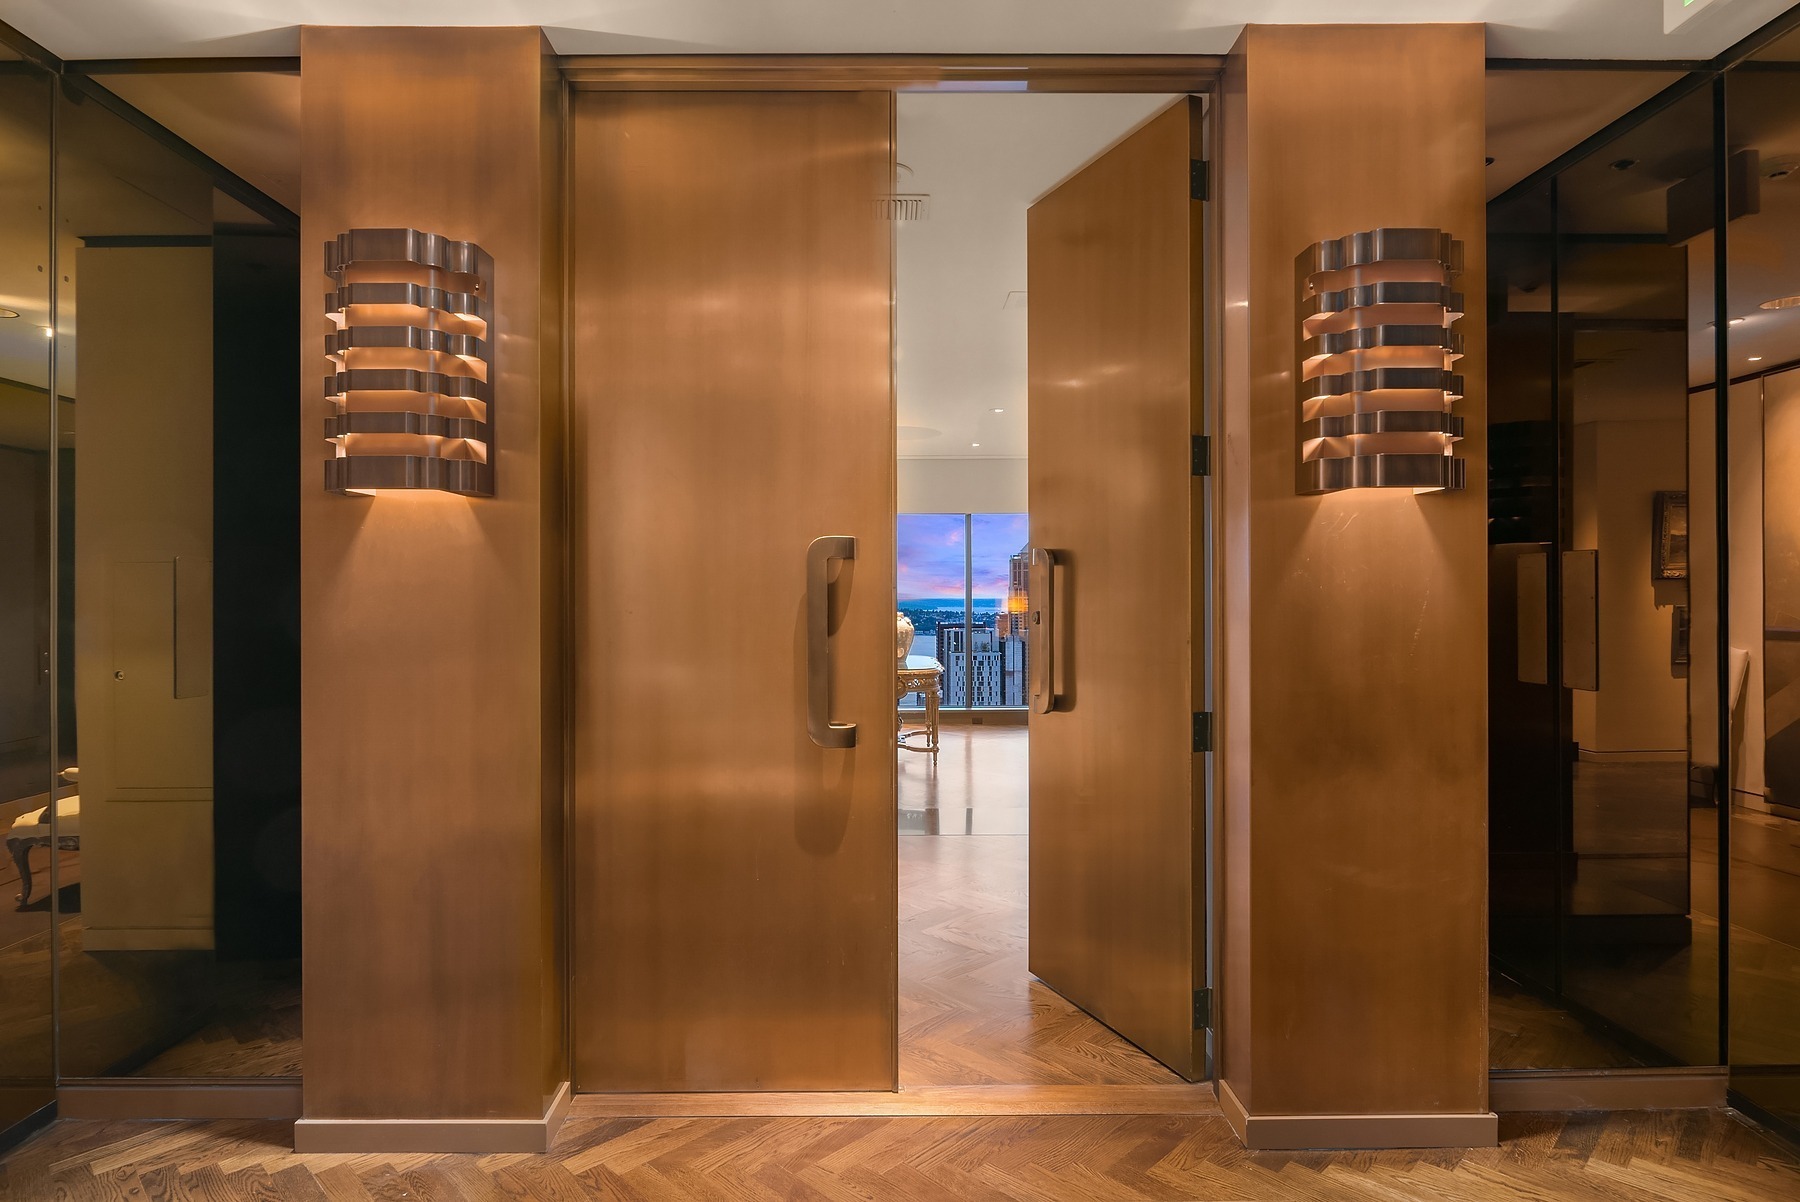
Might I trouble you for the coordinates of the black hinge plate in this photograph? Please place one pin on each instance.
(1202, 1009)
(1202, 455)
(1196, 179)
(1203, 731)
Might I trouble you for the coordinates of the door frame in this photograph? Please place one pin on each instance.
(1194, 74)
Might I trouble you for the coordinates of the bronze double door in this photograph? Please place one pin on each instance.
(732, 521)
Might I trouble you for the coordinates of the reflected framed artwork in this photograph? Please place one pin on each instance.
(1669, 536)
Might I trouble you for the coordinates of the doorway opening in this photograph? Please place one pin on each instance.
(971, 1012)
(737, 916)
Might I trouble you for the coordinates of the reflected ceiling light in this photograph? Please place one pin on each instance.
(6, 313)
(1376, 353)
(1782, 302)
(411, 396)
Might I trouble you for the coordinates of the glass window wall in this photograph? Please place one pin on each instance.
(962, 586)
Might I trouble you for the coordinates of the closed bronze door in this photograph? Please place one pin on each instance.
(732, 535)
(1117, 591)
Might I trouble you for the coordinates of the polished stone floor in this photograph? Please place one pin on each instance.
(978, 785)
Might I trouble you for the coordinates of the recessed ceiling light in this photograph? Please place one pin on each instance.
(1623, 164)
(1783, 302)
(49, 333)
(999, 411)
(6, 313)
(1756, 358)
(974, 444)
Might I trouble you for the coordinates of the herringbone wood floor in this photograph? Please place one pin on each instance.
(970, 1011)
(970, 1016)
(1647, 1157)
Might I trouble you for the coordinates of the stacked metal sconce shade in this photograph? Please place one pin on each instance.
(1376, 356)
(409, 337)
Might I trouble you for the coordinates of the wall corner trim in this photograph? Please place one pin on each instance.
(476, 1136)
(1304, 1132)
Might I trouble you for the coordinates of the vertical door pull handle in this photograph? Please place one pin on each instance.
(1041, 630)
(819, 725)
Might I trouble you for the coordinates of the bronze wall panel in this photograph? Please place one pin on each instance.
(1354, 793)
(1115, 277)
(431, 752)
(734, 921)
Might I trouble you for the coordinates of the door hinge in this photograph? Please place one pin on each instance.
(1202, 455)
(1203, 731)
(1197, 179)
(1202, 1009)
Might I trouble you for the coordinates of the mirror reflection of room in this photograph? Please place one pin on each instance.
(160, 890)
(1618, 687)
(27, 766)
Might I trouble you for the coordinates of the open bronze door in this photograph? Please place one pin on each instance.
(1118, 590)
(732, 534)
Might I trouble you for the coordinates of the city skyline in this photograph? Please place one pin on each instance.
(932, 558)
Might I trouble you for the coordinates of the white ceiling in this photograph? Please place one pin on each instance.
(1517, 28)
(982, 158)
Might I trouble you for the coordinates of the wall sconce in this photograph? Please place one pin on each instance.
(412, 389)
(1375, 382)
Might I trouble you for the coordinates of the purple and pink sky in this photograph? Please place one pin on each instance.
(932, 556)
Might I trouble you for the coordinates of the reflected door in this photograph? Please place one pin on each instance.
(1117, 830)
(732, 535)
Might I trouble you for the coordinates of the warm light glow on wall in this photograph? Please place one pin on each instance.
(1376, 352)
(409, 342)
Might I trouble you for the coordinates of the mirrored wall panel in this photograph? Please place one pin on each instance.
(1763, 252)
(1605, 809)
(176, 912)
(28, 784)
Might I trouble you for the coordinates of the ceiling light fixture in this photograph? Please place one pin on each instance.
(1782, 302)
(48, 332)
(999, 411)
(6, 313)
(1756, 358)
(974, 444)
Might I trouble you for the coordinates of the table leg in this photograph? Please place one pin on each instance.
(931, 717)
(21, 853)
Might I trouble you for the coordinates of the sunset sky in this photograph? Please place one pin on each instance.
(931, 554)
